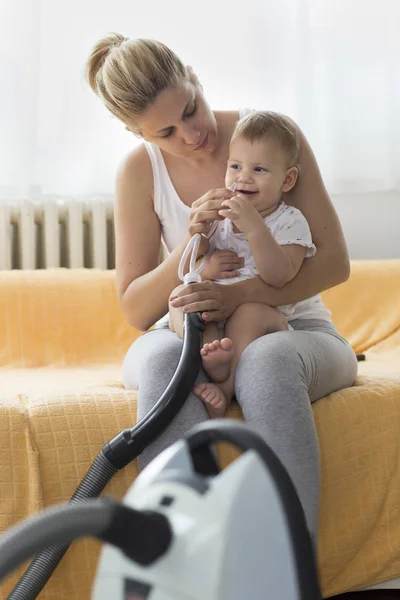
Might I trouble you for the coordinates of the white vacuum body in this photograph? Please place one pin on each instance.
(231, 535)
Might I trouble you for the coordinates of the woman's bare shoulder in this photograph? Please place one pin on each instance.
(135, 168)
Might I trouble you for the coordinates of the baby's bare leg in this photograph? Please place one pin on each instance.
(176, 316)
(176, 320)
(216, 355)
(248, 323)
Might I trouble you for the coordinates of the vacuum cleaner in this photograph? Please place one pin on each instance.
(188, 531)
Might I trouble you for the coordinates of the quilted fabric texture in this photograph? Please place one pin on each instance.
(62, 340)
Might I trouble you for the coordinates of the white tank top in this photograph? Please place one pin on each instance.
(173, 214)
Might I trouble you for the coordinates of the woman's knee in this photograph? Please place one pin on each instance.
(156, 357)
(164, 357)
(275, 350)
(271, 362)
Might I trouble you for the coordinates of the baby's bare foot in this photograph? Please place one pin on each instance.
(213, 397)
(217, 359)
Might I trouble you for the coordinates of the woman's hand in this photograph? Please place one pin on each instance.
(214, 301)
(206, 209)
(222, 264)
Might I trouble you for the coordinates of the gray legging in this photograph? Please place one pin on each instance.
(278, 377)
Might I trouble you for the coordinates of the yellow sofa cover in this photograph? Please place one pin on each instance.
(62, 341)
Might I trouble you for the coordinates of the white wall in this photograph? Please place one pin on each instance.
(371, 224)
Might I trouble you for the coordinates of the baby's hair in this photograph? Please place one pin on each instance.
(258, 125)
(129, 74)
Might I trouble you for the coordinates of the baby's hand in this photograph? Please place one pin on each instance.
(242, 213)
(222, 264)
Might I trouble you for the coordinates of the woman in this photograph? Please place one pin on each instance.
(171, 185)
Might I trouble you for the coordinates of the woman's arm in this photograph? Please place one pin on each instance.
(143, 284)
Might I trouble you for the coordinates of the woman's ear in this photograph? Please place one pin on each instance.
(290, 179)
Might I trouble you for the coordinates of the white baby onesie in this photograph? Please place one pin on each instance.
(288, 226)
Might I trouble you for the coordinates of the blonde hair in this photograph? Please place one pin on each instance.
(270, 125)
(128, 75)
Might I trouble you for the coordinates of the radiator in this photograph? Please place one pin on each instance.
(57, 232)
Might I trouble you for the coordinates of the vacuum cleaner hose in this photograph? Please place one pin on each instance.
(104, 519)
(42, 567)
(120, 451)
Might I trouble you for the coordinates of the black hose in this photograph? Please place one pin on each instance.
(44, 564)
(101, 518)
(128, 444)
(121, 450)
(32, 535)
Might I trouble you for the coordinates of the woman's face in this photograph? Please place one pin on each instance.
(180, 122)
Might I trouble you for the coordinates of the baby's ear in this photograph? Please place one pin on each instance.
(290, 179)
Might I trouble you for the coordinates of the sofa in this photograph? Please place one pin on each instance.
(62, 341)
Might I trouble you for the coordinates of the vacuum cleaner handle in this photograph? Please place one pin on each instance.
(200, 440)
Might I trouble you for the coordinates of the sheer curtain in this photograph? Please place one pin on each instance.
(333, 65)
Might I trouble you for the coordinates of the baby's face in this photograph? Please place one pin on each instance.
(259, 170)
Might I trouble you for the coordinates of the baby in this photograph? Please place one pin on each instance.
(272, 238)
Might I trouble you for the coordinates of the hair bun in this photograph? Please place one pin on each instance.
(117, 40)
(98, 56)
